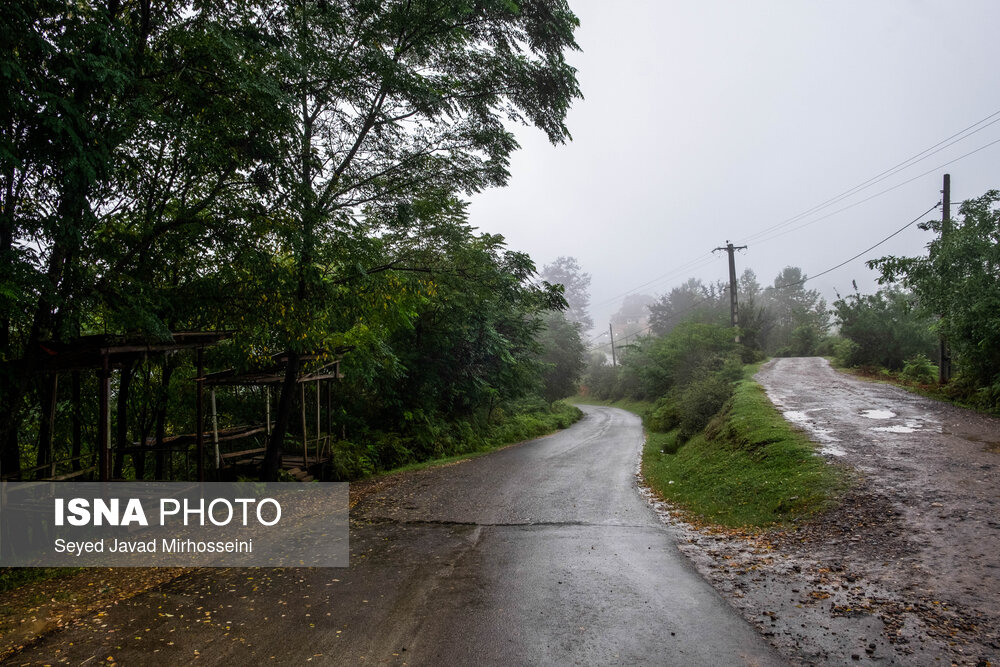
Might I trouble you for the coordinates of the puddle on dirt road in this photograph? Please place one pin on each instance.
(820, 434)
(894, 429)
(878, 414)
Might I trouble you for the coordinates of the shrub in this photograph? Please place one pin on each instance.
(700, 401)
(919, 368)
(844, 351)
(664, 415)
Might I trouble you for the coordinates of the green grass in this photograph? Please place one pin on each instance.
(748, 469)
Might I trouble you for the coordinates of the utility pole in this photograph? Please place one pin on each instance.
(944, 354)
(734, 314)
(611, 330)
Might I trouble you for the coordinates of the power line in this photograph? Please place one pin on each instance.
(848, 261)
(773, 232)
(878, 194)
(704, 300)
(878, 178)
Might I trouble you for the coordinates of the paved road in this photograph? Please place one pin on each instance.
(540, 554)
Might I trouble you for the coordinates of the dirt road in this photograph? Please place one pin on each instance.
(907, 570)
(539, 554)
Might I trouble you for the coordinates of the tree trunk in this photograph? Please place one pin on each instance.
(272, 457)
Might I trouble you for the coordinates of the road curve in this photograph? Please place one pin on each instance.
(539, 554)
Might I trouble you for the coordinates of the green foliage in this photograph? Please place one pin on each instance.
(291, 173)
(797, 318)
(699, 401)
(690, 350)
(883, 329)
(959, 281)
(919, 369)
(562, 357)
(664, 416)
(382, 452)
(692, 301)
(600, 379)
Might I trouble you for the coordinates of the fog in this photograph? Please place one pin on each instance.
(717, 120)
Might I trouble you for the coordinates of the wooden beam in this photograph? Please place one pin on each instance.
(104, 420)
(199, 416)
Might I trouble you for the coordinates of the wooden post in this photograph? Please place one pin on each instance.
(305, 441)
(200, 417)
(104, 420)
(215, 432)
(267, 407)
(329, 408)
(51, 417)
(77, 423)
(318, 429)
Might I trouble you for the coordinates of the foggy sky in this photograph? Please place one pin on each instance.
(711, 120)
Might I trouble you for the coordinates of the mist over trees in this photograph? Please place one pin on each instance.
(952, 293)
(566, 271)
(292, 173)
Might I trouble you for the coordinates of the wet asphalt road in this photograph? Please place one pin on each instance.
(540, 554)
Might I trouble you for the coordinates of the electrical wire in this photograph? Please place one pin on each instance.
(891, 171)
(878, 194)
(866, 250)
(777, 230)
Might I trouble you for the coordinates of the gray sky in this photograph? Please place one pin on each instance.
(711, 120)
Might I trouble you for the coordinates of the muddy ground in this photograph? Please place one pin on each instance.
(906, 569)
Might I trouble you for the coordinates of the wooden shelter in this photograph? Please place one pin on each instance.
(104, 353)
(326, 367)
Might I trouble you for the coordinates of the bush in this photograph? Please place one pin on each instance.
(844, 350)
(884, 328)
(664, 415)
(700, 401)
(919, 368)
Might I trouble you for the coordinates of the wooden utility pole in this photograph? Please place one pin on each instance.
(611, 330)
(734, 314)
(944, 354)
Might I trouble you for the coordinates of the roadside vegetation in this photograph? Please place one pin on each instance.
(747, 468)
(717, 449)
(303, 190)
(716, 446)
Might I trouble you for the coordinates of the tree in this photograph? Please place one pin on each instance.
(692, 300)
(800, 315)
(124, 124)
(884, 328)
(562, 357)
(251, 166)
(566, 271)
(691, 349)
(959, 281)
(396, 100)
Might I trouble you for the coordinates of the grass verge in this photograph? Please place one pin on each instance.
(748, 469)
